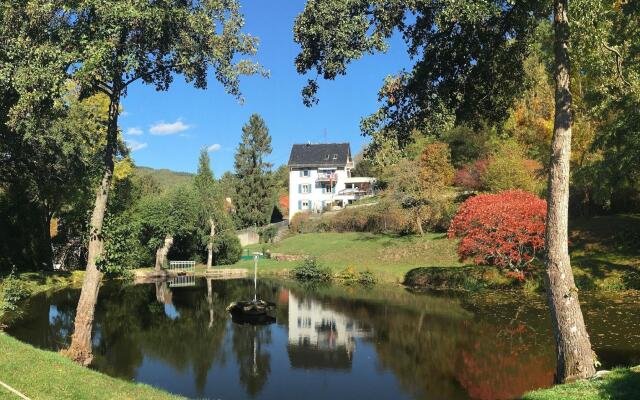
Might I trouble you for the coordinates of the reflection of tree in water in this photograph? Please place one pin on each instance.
(253, 362)
(135, 325)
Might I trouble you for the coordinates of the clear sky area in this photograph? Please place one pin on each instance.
(167, 129)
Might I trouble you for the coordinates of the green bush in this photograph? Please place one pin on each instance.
(227, 248)
(350, 277)
(12, 291)
(310, 270)
(268, 234)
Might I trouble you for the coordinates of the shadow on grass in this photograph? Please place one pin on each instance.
(623, 384)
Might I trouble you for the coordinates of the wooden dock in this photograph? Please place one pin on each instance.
(226, 273)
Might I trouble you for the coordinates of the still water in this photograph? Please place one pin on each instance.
(327, 343)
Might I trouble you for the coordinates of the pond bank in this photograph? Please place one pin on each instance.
(40, 374)
(621, 383)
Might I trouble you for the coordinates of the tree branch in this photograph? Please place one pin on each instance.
(618, 56)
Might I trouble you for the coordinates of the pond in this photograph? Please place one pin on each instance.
(329, 342)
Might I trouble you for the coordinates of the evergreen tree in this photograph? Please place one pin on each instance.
(254, 190)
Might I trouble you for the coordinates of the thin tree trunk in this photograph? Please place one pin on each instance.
(419, 225)
(212, 236)
(575, 359)
(163, 252)
(80, 349)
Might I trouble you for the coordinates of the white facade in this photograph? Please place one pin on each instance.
(313, 189)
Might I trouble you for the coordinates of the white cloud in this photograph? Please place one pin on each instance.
(162, 128)
(214, 147)
(134, 145)
(135, 131)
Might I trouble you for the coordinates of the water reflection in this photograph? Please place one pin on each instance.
(320, 337)
(331, 343)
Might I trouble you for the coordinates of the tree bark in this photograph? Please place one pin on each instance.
(419, 224)
(212, 236)
(575, 359)
(163, 251)
(80, 349)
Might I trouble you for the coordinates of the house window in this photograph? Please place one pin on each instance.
(326, 157)
(305, 205)
(305, 172)
(306, 188)
(335, 156)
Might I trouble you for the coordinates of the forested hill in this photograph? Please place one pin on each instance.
(165, 178)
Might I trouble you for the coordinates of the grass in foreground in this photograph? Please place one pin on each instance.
(40, 374)
(387, 256)
(619, 384)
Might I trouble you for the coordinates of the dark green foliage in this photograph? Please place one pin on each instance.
(267, 234)
(310, 270)
(254, 192)
(227, 249)
(12, 291)
(465, 278)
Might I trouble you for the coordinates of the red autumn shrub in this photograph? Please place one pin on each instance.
(504, 229)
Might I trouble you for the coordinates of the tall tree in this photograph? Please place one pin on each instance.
(121, 42)
(254, 194)
(470, 63)
(211, 202)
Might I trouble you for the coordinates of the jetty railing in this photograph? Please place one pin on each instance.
(182, 266)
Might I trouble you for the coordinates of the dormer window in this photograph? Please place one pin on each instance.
(326, 157)
(335, 156)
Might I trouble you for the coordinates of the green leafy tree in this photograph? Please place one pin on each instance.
(470, 60)
(509, 169)
(254, 192)
(118, 43)
(211, 202)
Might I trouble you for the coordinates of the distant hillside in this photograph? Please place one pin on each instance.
(165, 178)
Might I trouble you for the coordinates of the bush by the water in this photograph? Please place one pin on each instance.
(228, 249)
(349, 276)
(12, 291)
(504, 229)
(310, 270)
(465, 278)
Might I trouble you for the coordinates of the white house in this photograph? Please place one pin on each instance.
(320, 178)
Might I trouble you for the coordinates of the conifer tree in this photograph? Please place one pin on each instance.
(254, 189)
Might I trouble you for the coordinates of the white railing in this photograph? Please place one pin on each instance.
(182, 265)
(183, 281)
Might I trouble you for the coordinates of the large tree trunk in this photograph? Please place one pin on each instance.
(575, 359)
(212, 236)
(163, 252)
(80, 349)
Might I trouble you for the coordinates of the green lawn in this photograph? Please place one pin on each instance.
(40, 374)
(388, 256)
(619, 384)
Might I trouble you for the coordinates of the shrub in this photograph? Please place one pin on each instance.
(504, 229)
(228, 249)
(470, 175)
(349, 276)
(268, 234)
(310, 270)
(300, 223)
(12, 291)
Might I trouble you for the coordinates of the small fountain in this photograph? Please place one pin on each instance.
(252, 311)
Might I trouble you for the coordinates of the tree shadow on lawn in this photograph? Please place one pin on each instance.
(623, 385)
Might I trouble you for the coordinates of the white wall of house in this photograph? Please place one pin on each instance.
(306, 194)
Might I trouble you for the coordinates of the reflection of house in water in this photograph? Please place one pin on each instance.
(320, 337)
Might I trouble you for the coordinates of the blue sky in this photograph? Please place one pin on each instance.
(167, 129)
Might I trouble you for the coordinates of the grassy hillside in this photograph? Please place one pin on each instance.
(40, 374)
(165, 178)
(389, 256)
